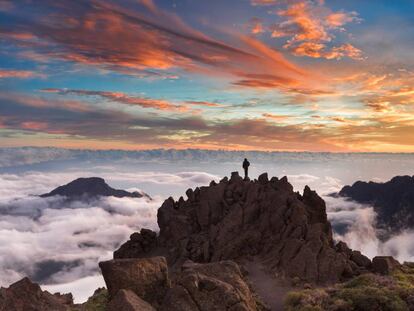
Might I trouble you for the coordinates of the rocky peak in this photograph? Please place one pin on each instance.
(90, 187)
(237, 219)
(27, 296)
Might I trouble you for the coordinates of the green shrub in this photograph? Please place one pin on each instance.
(366, 298)
(367, 292)
(97, 302)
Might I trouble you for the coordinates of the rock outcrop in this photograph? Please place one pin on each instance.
(27, 296)
(236, 219)
(214, 286)
(385, 265)
(147, 278)
(144, 284)
(141, 243)
(393, 201)
(127, 300)
(90, 188)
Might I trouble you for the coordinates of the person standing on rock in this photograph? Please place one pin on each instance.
(246, 165)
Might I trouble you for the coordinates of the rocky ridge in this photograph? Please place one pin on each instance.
(393, 201)
(237, 219)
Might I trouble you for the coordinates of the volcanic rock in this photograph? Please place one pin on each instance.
(237, 219)
(138, 244)
(27, 296)
(215, 286)
(385, 264)
(146, 277)
(90, 187)
(393, 201)
(126, 300)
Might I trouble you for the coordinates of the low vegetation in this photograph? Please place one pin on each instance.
(367, 292)
(97, 302)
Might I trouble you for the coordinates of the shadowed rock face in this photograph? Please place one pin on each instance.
(393, 201)
(90, 187)
(214, 286)
(127, 300)
(237, 219)
(147, 278)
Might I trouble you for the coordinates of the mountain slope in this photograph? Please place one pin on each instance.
(393, 201)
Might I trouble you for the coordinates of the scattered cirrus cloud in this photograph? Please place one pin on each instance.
(310, 27)
(19, 74)
(124, 39)
(144, 102)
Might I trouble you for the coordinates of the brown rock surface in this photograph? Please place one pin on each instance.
(385, 264)
(214, 286)
(126, 300)
(139, 243)
(27, 296)
(146, 277)
(235, 219)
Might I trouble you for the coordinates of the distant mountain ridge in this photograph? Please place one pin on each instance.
(393, 201)
(91, 187)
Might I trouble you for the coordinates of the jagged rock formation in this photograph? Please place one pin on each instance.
(90, 187)
(393, 201)
(144, 284)
(27, 296)
(214, 286)
(237, 219)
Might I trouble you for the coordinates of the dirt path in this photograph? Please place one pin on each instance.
(271, 290)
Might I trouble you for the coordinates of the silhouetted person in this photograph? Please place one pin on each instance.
(246, 165)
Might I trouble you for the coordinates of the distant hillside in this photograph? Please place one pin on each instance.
(393, 201)
(91, 187)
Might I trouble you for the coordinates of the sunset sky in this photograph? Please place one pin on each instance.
(297, 75)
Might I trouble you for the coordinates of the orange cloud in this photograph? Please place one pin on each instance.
(275, 117)
(149, 41)
(19, 74)
(118, 97)
(256, 26)
(318, 50)
(42, 103)
(309, 27)
(203, 103)
(339, 19)
(28, 125)
(263, 2)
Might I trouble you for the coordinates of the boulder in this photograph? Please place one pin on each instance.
(138, 244)
(214, 286)
(385, 264)
(126, 300)
(360, 260)
(146, 277)
(27, 296)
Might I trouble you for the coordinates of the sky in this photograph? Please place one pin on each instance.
(298, 75)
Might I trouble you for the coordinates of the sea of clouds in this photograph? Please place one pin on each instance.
(59, 243)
